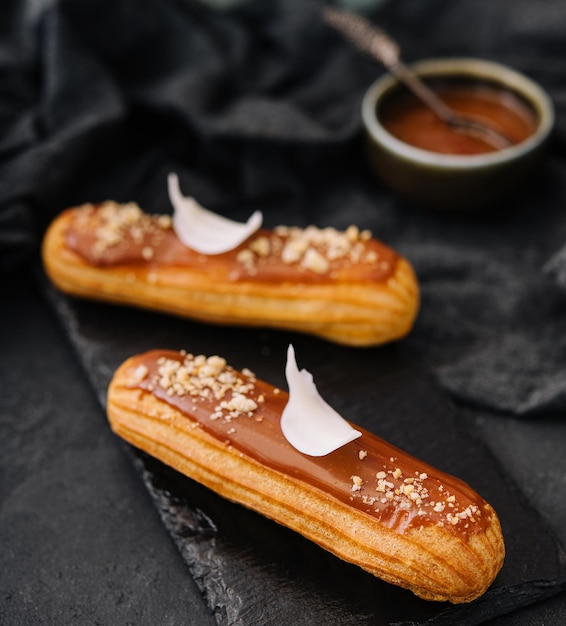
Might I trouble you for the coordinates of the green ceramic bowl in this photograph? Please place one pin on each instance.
(456, 182)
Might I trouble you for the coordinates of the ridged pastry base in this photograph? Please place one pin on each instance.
(432, 562)
(357, 314)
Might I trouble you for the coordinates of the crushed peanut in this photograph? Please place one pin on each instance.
(211, 377)
(114, 224)
(356, 483)
(140, 373)
(147, 253)
(233, 395)
(260, 246)
(312, 248)
(412, 491)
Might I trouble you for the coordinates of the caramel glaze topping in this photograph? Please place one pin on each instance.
(369, 473)
(112, 234)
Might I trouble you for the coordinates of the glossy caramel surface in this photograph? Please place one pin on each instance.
(369, 474)
(150, 242)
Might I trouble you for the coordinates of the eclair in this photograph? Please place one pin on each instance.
(363, 499)
(344, 286)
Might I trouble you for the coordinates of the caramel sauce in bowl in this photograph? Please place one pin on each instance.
(422, 159)
(410, 121)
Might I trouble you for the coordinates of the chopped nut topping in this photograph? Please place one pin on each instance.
(356, 483)
(210, 377)
(412, 493)
(352, 233)
(293, 251)
(260, 246)
(117, 226)
(312, 248)
(140, 373)
(245, 257)
(114, 223)
(164, 221)
(241, 404)
(229, 395)
(315, 262)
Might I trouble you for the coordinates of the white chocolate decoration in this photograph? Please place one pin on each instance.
(205, 231)
(308, 423)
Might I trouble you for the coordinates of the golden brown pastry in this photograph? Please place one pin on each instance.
(344, 286)
(367, 502)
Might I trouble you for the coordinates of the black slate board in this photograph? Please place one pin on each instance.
(253, 571)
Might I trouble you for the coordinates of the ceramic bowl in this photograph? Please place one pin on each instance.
(451, 181)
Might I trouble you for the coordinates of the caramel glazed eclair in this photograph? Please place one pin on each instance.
(344, 286)
(367, 501)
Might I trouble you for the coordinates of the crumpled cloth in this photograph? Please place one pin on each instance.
(257, 106)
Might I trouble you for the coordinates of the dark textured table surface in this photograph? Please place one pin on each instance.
(80, 539)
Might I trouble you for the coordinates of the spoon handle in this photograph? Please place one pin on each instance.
(422, 91)
(363, 35)
(458, 123)
(373, 41)
(377, 43)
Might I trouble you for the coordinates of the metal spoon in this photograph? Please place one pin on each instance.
(375, 42)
